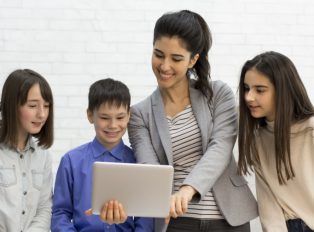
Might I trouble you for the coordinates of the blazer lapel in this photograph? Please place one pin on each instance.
(202, 114)
(162, 124)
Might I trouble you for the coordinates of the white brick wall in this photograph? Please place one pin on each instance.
(75, 42)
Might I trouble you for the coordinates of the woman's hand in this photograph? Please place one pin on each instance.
(179, 202)
(112, 213)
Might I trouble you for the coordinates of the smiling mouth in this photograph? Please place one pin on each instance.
(37, 123)
(253, 108)
(165, 76)
(111, 133)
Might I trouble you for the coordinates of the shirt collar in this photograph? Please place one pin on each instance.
(30, 144)
(99, 149)
(270, 125)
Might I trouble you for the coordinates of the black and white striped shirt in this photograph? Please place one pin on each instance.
(187, 151)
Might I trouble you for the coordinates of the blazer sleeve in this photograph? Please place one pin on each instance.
(271, 214)
(221, 141)
(139, 136)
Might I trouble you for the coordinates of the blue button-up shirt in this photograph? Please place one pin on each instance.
(73, 191)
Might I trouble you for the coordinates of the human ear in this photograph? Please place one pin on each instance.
(193, 60)
(90, 116)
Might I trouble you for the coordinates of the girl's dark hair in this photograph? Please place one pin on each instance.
(292, 105)
(14, 94)
(192, 29)
(108, 91)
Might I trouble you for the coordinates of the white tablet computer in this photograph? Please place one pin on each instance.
(143, 189)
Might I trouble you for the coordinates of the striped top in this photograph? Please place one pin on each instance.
(187, 151)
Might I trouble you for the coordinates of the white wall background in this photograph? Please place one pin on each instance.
(76, 42)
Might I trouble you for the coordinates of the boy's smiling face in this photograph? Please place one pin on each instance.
(110, 123)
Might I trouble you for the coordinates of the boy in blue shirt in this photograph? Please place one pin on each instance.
(109, 111)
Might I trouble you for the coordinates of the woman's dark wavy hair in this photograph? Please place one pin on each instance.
(292, 105)
(14, 94)
(192, 29)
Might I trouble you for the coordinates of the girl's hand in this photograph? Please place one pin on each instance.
(112, 213)
(179, 202)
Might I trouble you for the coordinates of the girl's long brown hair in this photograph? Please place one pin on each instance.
(14, 94)
(292, 105)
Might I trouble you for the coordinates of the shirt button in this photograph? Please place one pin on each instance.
(24, 174)
(25, 192)
(23, 212)
(21, 156)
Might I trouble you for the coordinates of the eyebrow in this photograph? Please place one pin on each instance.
(258, 86)
(32, 100)
(176, 55)
(36, 101)
(261, 86)
(119, 114)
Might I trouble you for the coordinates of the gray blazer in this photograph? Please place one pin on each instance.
(149, 137)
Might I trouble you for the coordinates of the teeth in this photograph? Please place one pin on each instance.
(163, 76)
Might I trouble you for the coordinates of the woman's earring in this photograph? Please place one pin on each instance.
(191, 73)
